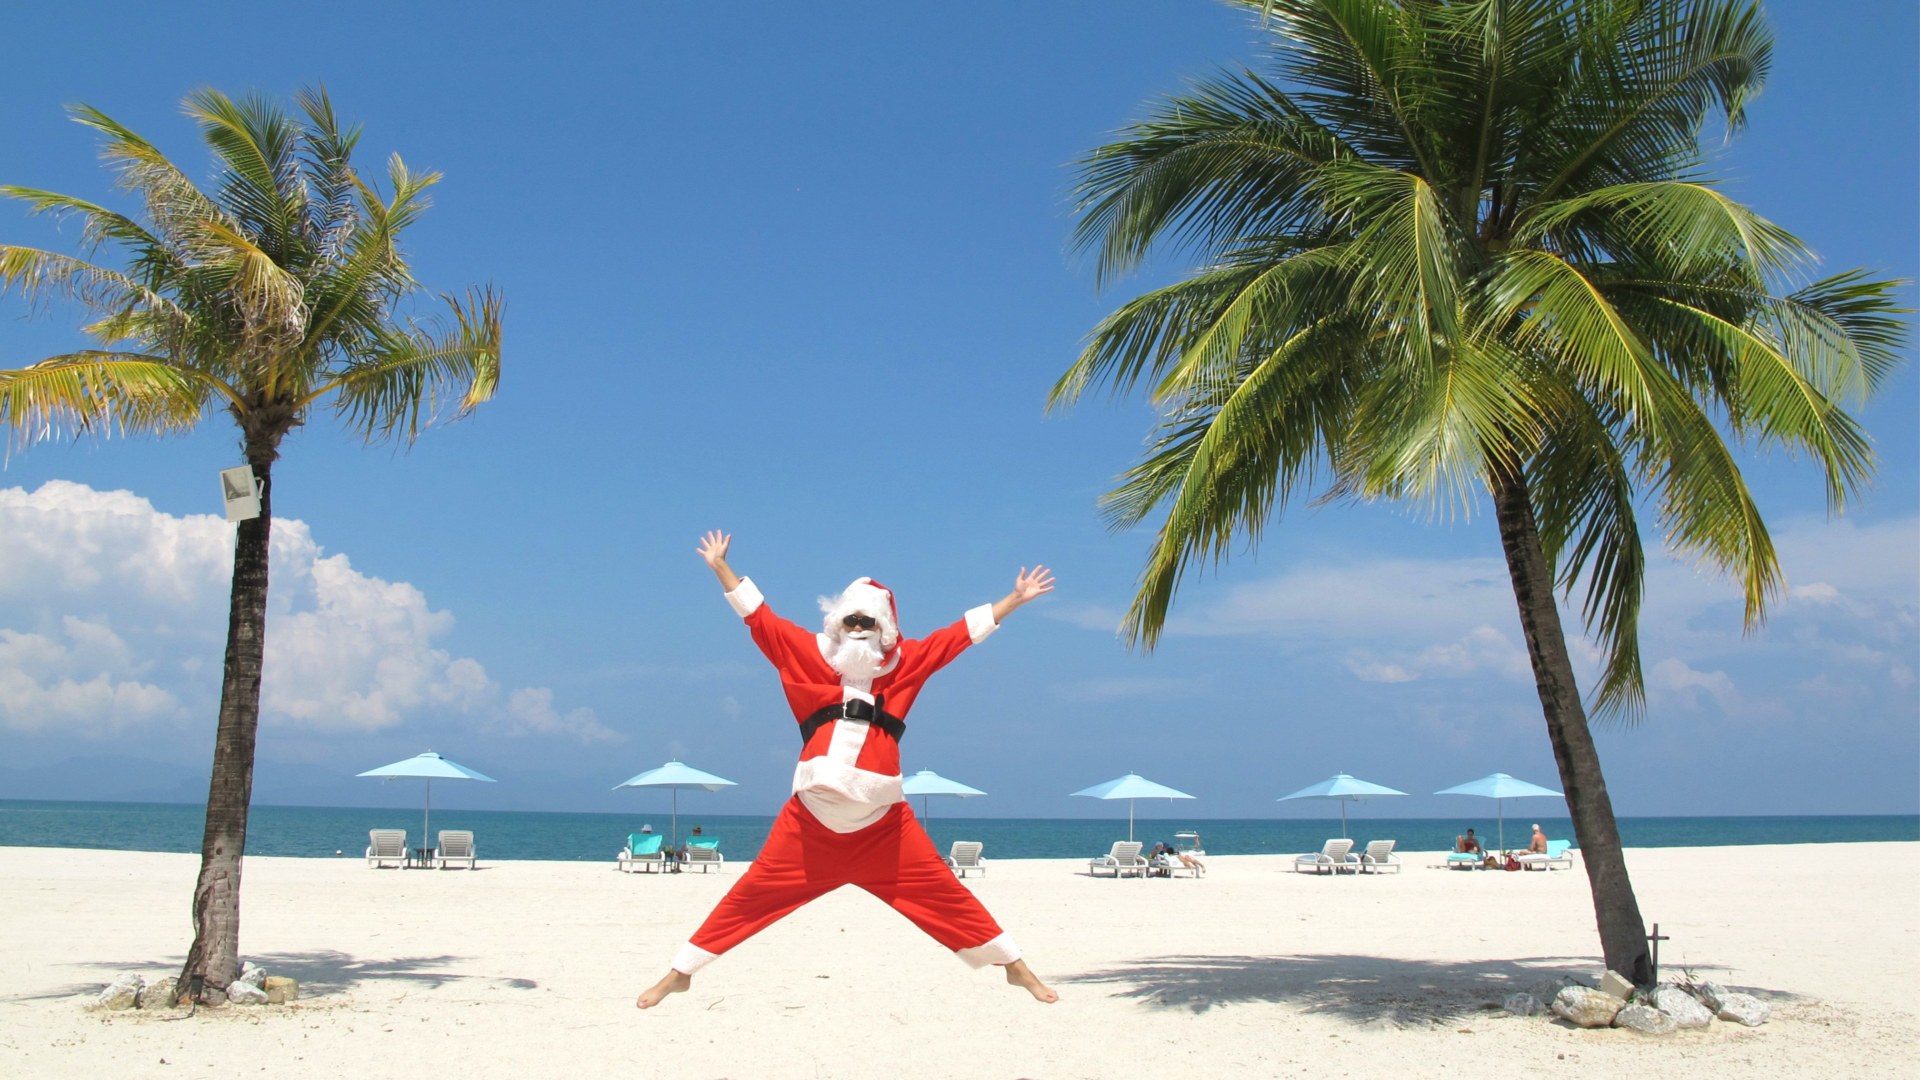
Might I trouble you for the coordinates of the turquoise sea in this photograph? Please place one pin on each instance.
(324, 832)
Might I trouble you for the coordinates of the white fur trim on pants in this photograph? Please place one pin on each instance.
(1001, 950)
(692, 958)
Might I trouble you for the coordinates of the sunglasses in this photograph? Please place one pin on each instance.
(859, 622)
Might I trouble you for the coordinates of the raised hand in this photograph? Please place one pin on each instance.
(713, 548)
(1029, 585)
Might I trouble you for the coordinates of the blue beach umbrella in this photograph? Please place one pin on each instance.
(676, 776)
(1130, 787)
(926, 782)
(1500, 787)
(429, 767)
(1346, 789)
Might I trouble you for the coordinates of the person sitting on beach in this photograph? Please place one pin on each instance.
(1539, 843)
(850, 686)
(1164, 855)
(1469, 844)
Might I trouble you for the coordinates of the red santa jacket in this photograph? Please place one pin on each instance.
(850, 729)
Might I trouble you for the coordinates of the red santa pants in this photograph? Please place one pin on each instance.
(891, 858)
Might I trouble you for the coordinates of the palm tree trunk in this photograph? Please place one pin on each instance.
(215, 953)
(1622, 933)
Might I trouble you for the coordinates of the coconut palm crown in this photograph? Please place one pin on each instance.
(1453, 247)
(278, 288)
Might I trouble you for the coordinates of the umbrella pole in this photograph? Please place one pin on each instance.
(676, 817)
(1129, 821)
(1343, 819)
(1500, 808)
(426, 813)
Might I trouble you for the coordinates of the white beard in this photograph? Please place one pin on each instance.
(858, 658)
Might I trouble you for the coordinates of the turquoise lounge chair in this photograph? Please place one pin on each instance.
(704, 854)
(1556, 853)
(642, 854)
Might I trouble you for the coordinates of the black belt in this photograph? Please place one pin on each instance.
(857, 709)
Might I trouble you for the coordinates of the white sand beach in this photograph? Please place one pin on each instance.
(529, 969)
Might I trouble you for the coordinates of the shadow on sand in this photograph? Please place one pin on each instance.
(1364, 990)
(320, 973)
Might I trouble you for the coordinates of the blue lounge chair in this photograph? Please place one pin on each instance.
(642, 853)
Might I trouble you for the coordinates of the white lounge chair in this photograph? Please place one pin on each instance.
(965, 856)
(1379, 858)
(1124, 859)
(1333, 857)
(386, 846)
(642, 854)
(1556, 855)
(456, 845)
(704, 854)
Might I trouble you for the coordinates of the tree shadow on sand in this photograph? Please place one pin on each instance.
(1359, 989)
(320, 973)
(328, 971)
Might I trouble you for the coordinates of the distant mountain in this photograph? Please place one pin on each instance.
(107, 778)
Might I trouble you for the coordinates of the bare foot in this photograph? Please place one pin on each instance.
(1019, 974)
(673, 982)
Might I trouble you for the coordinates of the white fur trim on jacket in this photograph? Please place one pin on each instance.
(745, 598)
(980, 622)
(843, 798)
(1001, 950)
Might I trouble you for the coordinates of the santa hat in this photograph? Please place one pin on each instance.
(865, 597)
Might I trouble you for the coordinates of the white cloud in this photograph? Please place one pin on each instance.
(1481, 650)
(1411, 600)
(78, 682)
(533, 711)
(346, 652)
(1672, 681)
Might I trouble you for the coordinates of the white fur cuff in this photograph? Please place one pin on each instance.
(745, 598)
(1001, 950)
(692, 958)
(980, 622)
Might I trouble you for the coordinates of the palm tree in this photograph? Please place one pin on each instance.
(1457, 246)
(275, 291)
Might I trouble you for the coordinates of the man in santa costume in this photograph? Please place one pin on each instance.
(850, 687)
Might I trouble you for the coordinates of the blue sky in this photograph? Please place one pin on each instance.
(800, 272)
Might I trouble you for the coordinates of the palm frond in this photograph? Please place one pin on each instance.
(1583, 498)
(104, 392)
(413, 378)
(1231, 454)
(1650, 72)
(1688, 228)
(258, 149)
(1233, 158)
